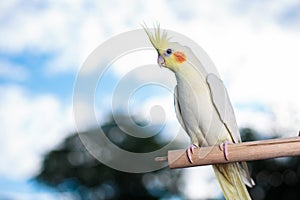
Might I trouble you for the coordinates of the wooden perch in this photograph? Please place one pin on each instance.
(246, 151)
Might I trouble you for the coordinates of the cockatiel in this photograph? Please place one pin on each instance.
(204, 110)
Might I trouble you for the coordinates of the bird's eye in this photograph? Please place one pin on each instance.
(168, 52)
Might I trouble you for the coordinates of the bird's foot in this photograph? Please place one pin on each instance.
(224, 147)
(190, 151)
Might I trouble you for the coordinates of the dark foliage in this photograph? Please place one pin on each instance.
(70, 168)
(275, 178)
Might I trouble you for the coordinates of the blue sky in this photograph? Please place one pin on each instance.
(25, 189)
(35, 78)
(254, 44)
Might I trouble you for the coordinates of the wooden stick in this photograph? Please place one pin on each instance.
(246, 151)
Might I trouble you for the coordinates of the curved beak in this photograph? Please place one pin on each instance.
(161, 61)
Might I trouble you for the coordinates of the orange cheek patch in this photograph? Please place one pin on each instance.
(179, 56)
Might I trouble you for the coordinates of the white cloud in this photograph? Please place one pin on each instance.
(200, 183)
(30, 126)
(129, 62)
(66, 29)
(158, 110)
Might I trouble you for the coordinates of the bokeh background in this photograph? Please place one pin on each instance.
(254, 44)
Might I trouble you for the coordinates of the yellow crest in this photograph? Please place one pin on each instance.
(158, 38)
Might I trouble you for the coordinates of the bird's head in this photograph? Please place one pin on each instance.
(170, 54)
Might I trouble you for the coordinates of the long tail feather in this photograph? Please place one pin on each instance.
(231, 181)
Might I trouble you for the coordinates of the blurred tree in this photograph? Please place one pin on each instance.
(275, 178)
(70, 168)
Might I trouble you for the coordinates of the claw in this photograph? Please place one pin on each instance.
(224, 147)
(190, 151)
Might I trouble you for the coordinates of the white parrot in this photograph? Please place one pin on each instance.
(204, 110)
